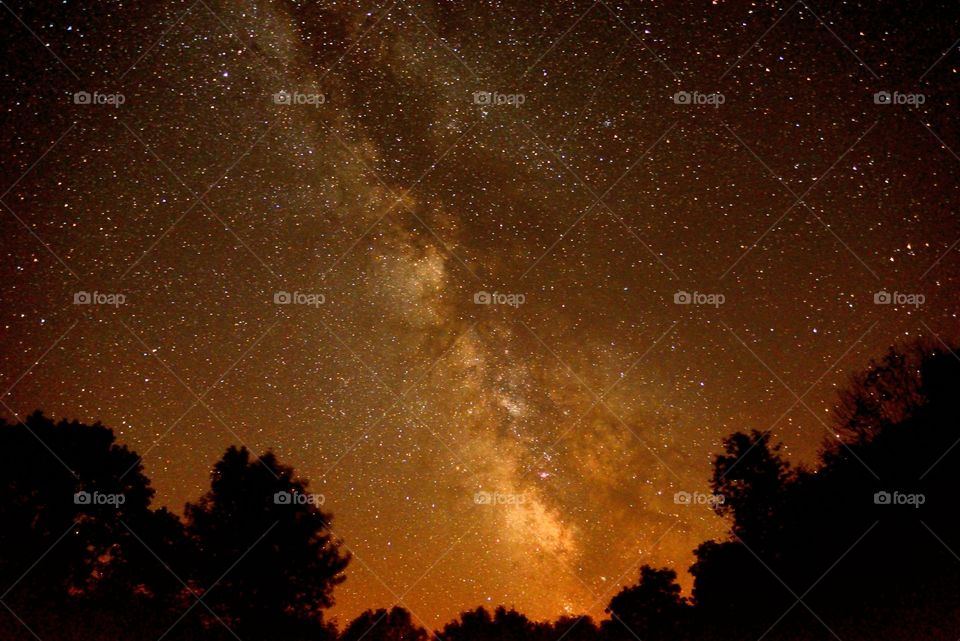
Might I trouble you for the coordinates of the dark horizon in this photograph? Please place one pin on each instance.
(887, 476)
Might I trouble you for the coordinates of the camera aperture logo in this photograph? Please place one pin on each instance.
(499, 498)
(298, 298)
(714, 99)
(897, 98)
(898, 298)
(497, 99)
(99, 298)
(298, 498)
(99, 498)
(99, 99)
(496, 298)
(284, 97)
(698, 498)
(697, 298)
(899, 498)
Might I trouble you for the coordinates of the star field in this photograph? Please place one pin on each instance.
(410, 177)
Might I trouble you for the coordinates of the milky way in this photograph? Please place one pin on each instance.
(539, 258)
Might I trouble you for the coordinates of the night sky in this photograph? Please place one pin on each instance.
(432, 150)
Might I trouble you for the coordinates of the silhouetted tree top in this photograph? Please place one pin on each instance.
(573, 628)
(77, 504)
(750, 476)
(869, 531)
(479, 624)
(265, 547)
(382, 625)
(652, 609)
(889, 391)
(69, 476)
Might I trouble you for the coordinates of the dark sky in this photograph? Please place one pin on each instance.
(585, 193)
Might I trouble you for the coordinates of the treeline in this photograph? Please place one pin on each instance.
(83, 555)
(862, 545)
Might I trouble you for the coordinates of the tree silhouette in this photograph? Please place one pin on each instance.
(571, 628)
(381, 625)
(751, 478)
(73, 498)
(811, 552)
(267, 560)
(653, 609)
(480, 625)
(864, 565)
(888, 392)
